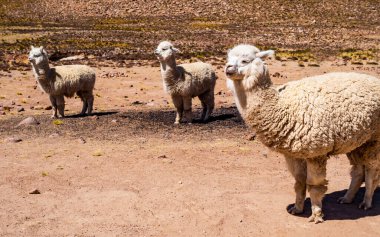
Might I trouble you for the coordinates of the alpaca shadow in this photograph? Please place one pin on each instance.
(220, 117)
(93, 114)
(336, 211)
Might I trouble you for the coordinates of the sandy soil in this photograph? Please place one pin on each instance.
(128, 171)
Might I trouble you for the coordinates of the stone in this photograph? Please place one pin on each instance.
(28, 122)
(13, 139)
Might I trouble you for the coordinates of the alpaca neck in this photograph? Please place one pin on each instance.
(169, 71)
(261, 98)
(240, 97)
(250, 91)
(41, 71)
(260, 92)
(262, 114)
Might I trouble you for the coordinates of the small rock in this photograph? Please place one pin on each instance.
(13, 139)
(113, 121)
(180, 182)
(36, 191)
(94, 117)
(81, 140)
(48, 107)
(38, 107)
(276, 74)
(53, 135)
(137, 102)
(20, 109)
(161, 157)
(28, 121)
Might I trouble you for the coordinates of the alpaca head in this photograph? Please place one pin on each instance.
(165, 50)
(245, 64)
(38, 55)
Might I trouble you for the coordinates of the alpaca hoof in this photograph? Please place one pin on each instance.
(54, 116)
(316, 218)
(294, 211)
(344, 200)
(176, 122)
(365, 206)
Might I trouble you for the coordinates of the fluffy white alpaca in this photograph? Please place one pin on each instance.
(185, 81)
(311, 119)
(63, 81)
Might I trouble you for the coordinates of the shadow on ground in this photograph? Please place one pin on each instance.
(336, 211)
(93, 114)
(113, 125)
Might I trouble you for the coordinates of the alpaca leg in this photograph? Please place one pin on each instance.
(54, 105)
(371, 182)
(90, 103)
(371, 155)
(187, 109)
(357, 178)
(204, 110)
(297, 168)
(207, 99)
(83, 98)
(178, 103)
(61, 105)
(317, 186)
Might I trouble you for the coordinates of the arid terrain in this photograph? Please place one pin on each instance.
(128, 170)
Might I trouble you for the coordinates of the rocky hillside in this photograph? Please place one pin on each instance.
(120, 30)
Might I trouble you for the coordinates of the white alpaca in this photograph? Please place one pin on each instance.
(185, 81)
(311, 119)
(63, 81)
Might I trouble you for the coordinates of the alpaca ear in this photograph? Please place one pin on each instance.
(43, 51)
(31, 47)
(176, 50)
(265, 54)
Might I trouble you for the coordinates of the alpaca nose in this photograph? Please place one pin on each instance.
(156, 52)
(230, 70)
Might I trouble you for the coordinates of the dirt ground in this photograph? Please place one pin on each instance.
(128, 171)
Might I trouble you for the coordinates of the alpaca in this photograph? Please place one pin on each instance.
(63, 81)
(185, 81)
(309, 120)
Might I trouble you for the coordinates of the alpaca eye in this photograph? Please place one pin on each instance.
(245, 61)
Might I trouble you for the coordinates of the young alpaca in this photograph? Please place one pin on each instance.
(63, 81)
(311, 119)
(185, 81)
